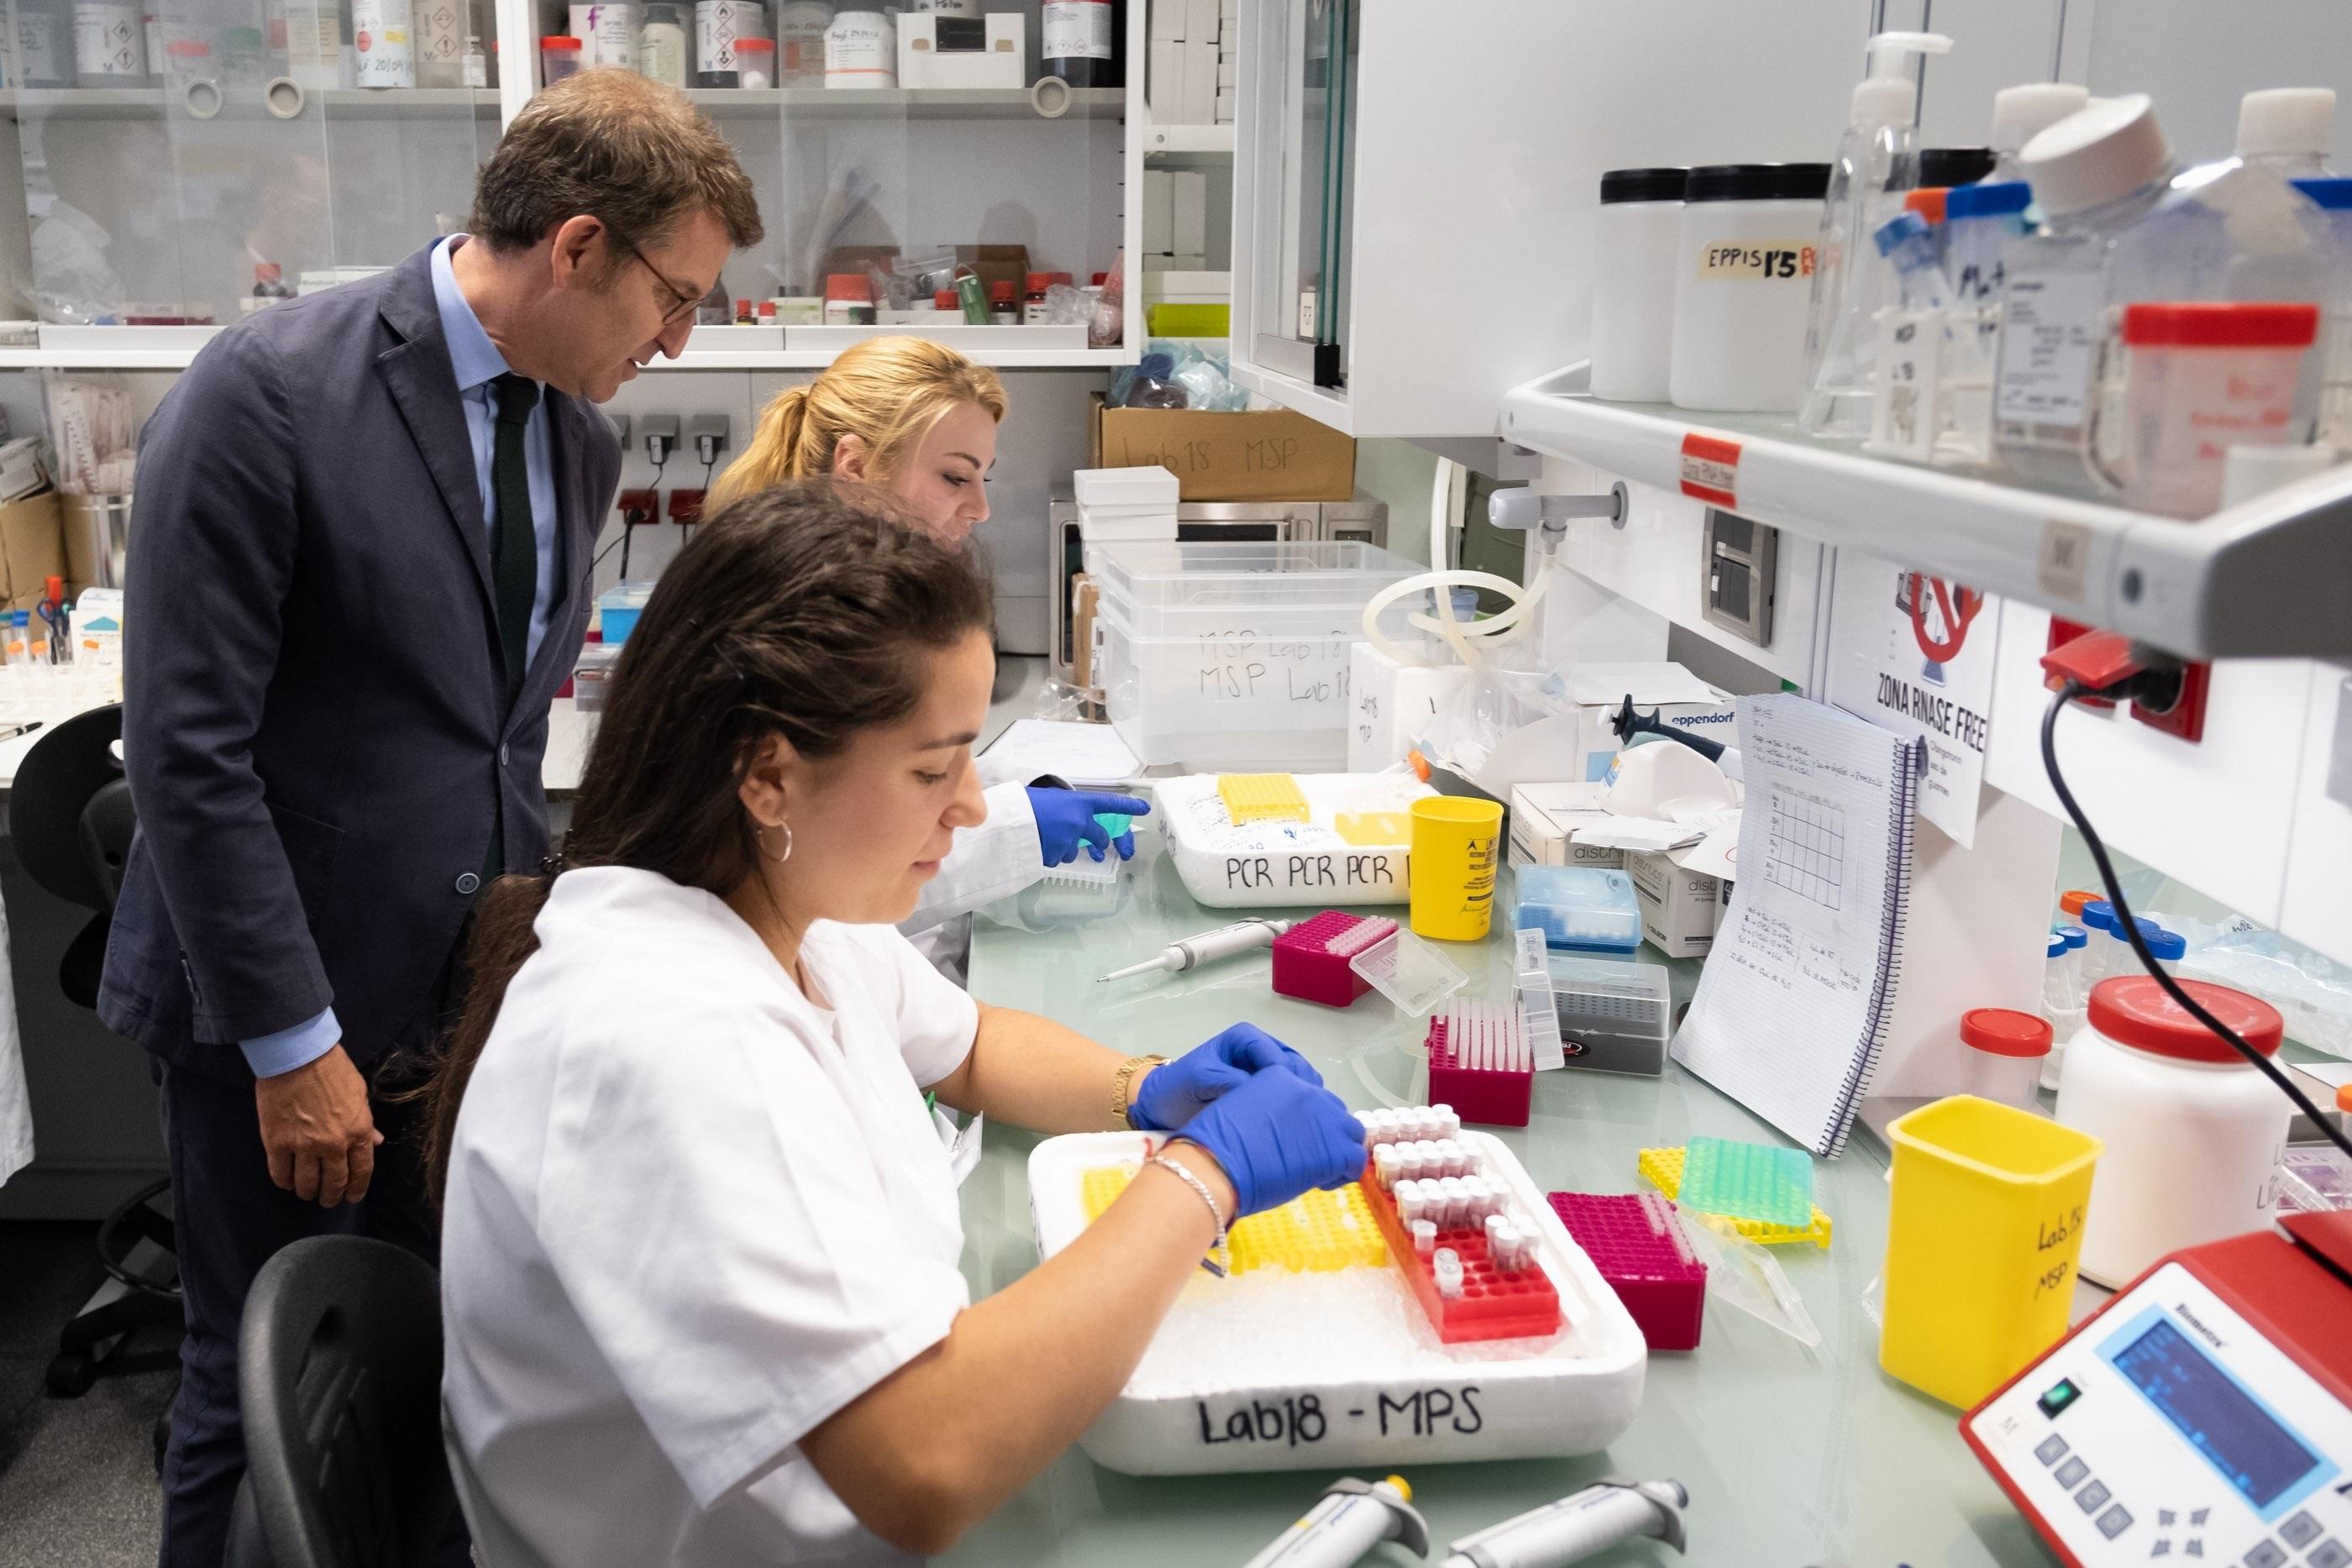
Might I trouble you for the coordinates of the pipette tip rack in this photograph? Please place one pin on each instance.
(1469, 1262)
(1311, 960)
(1480, 1061)
(1663, 1168)
(1636, 1240)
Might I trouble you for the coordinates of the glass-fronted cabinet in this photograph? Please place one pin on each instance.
(1305, 103)
(955, 169)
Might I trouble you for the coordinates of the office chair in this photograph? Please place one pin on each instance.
(70, 819)
(339, 1371)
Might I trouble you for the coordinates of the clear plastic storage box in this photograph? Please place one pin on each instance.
(1236, 656)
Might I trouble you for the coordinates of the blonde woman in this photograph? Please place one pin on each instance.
(918, 422)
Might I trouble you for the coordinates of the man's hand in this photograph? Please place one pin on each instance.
(318, 1132)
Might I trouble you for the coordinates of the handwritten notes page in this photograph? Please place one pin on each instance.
(1791, 1009)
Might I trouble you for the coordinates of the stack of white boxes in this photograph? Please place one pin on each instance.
(1124, 506)
(1192, 53)
(1175, 220)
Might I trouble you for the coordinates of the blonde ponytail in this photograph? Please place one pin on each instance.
(887, 392)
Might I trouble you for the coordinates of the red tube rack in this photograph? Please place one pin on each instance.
(1499, 1091)
(1652, 1269)
(1312, 959)
(1492, 1305)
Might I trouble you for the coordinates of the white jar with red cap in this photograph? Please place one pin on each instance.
(2002, 1055)
(2194, 1133)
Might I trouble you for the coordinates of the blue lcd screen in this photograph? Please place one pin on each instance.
(2220, 1420)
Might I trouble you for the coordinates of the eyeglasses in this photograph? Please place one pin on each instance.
(685, 301)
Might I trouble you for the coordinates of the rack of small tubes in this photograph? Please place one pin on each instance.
(1479, 1059)
(1466, 1251)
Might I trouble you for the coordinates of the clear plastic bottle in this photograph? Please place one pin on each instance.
(1979, 223)
(2287, 129)
(2023, 112)
(2123, 223)
(20, 639)
(1877, 160)
(2333, 198)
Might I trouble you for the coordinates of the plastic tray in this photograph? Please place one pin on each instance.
(1276, 1371)
(1663, 1168)
(1410, 972)
(1336, 857)
(1747, 1181)
(1615, 1017)
(1539, 1011)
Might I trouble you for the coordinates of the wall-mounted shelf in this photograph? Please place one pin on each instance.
(1188, 146)
(2270, 578)
(240, 103)
(902, 103)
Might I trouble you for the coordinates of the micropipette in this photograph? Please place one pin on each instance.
(1352, 1518)
(1222, 943)
(1578, 1526)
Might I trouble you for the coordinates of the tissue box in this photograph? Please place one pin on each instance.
(1543, 818)
(1679, 908)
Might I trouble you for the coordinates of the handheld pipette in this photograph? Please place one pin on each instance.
(1578, 1526)
(1193, 951)
(1352, 1518)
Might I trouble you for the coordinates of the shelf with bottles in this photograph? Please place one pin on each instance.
(18, 104)
(941, 103)
(2262, 578)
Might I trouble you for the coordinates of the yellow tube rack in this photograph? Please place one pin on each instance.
(1320, 1232)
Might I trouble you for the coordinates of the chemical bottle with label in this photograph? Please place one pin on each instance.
(662, 45)
(1877, 160)
(1084, 42)
(2123, 223)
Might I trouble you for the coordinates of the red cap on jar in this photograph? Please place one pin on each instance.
(854, 285)
(1041, 281)
(2000, 1031)
(553, 42)
(2221, 325)
(755, 46)
(2134, 1010)
(1001, 290)
(943, 299)
(767, 307)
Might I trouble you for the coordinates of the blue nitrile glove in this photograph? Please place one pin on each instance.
(1173, 1092)
(1276, 1135)
(1065, 819)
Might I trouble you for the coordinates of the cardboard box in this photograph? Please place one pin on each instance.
(1159, 212)
(1190, 213)
(989, 56)
(32, 549)
(1277, 455)
(1679, 908)
(1669, 689)
(1544, 817)
(1166, 88)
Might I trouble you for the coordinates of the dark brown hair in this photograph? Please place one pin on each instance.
(799, 611)
(620, 148)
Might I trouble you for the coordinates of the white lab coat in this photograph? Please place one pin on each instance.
(995, 860)
(691, 1213)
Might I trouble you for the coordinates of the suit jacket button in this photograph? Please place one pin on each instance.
(467, 883)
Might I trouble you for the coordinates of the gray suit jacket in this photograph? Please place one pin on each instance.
(313, 719)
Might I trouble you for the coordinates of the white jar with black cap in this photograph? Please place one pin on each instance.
(1743, 285)
(1634, 237)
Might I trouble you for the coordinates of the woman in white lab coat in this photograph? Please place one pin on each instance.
(918, 422)
(699, 1280)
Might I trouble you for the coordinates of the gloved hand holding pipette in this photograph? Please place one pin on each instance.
(1065, 821)
(1275, 1135)
(1172, 1093)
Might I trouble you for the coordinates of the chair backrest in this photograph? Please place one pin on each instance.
(340, 1371)
(69, 765)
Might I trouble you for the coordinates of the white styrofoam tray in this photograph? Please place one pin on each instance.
(1230, 865)
(1275, 1371)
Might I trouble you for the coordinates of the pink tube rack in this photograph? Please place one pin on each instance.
(1311, 959)
(1480, 1063)
(1635, 1240)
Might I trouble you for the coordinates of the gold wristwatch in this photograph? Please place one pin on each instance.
(1122, 1086)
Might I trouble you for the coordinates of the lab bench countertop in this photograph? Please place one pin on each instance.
(1792, 1455)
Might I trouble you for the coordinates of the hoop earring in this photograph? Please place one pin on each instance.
(759, 836)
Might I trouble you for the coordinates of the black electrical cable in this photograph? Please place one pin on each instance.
(2130, 929)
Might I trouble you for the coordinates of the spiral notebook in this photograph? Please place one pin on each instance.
(1794, 1007)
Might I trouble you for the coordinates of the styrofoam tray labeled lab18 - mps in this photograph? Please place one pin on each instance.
(1270, 1370)
(1241, 866)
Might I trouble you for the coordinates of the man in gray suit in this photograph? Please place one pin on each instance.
(359, 574)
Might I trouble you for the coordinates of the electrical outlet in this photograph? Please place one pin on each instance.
(640, 507)
(709, 433)
(660, 433)
(686, 507)
(2063, 632)
(2186, 717)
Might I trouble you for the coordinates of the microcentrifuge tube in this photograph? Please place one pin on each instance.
(1384, 1165)
(1449, 1124)
(1498, 1236)
(1446, 1268)
(1480, 1196)
(1409, 1205)
(1424, 1237)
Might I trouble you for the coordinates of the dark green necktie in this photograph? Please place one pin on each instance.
(514, 542)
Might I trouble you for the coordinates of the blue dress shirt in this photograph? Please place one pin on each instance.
(477, 362)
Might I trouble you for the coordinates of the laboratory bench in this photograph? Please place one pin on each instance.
(1792, 1455)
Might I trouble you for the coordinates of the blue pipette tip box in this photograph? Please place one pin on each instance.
(1748, 1181)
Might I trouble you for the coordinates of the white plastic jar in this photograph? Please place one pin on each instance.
(861, 50)
(2194, 1134)
(1634, 237)
(2001, 1054)
(1743, 285)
